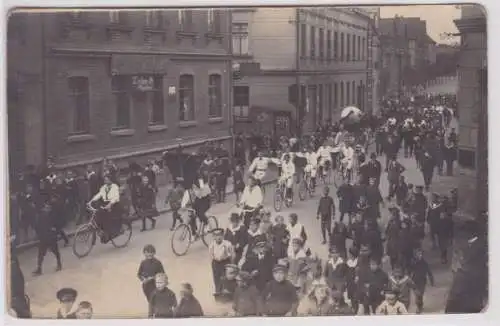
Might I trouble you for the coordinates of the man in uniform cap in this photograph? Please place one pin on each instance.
(259, 264)
(280, 296)
(228, 283)
(221, 253)
(67, 298)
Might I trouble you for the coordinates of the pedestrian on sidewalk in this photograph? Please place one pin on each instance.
(147, 203)
(346, 201)
(47, 237)
(174, 199)
(391, 305)
(436, 209)
(420, 272)
(163, 301)
(238, 182)
(401, 191)
(325, 213)
(247, 299)
(188, 306)
(221, 253)
(148, 269)
(401, 283)
(58, 201)
(280, 238)
(427, 167)
(419, 204)
(229, 284)
(237, 234)
(392, 236)
(445, 233)
(338, 238)
(394, 170)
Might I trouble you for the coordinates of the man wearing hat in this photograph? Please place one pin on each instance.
(335, 270)
(221, 253)
(251, 200)
(427, 166)
(280, 295)
(433, 216)
(254, 236)
(339, 307)
(419, 204)
(247, 299)
(259, 264)
(236, 233)
(67, 298)
(228, 283)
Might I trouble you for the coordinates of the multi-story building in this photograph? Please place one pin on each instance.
(407, 53)
(90, 84)
(473, 110)
(322, 49)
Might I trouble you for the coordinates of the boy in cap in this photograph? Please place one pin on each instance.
(325, 213)
(67, 298)
(84, 310)
(188, 306)
(146, 203)
(247, 299)
(371, 285)
(254, 236)
(221, 253)
(163, 301)
(280, 296)
(339, 237)
(391, 305)
(237, 234)
(419, 273)
(339, 307)
(433, 216)
(148, 269)
(47, 236)
(280, 238)
(419, 204)
(401, 191)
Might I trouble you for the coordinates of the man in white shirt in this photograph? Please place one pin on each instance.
(108, 217)
(325, 157)
(312, 164)
(347, 161)
(259, 166)
(391, 305)
(221, 252)
(287, 173)
(251, 200)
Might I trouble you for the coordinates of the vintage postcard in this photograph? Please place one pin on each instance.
(247, 161)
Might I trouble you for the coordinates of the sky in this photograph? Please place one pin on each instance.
(439, 17)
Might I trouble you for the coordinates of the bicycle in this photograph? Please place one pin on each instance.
(90, 230)
(306, 187)
(341, 175)
(280, 196)
(325, 173)
(184, 234)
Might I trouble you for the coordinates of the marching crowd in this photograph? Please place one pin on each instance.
(261, 265)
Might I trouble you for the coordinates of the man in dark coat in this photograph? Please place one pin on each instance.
(346, 200)
(259, 264)
(427, 167)
(374, 168)
(47, 237)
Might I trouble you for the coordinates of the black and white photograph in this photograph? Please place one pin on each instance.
(251, 161)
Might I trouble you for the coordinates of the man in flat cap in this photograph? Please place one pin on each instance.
(67, 298)
(228, 283)
(280, 296)
(247, 299)
(221, 253)
(259, 264)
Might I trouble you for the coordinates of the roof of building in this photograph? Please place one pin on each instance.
(411, 27)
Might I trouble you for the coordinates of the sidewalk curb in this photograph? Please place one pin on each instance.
(31, 244)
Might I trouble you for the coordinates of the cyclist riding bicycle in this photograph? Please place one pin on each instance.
(108, 215)
(325, 157)
(347, 160)
(287, 174)
(251, 200)
(199, 199)
(311, 167)
(259, 166)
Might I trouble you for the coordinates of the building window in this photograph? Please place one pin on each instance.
(215, 96)
(335, 46)
(359, 48)
(185, 20)
(79, 95)
(213, 16)
(241, 101)
(321, 36)
(354, 48)
(312, 43)
(330, 101)
(348, 55)
(329, 45)
(336, 95)
(364, 46)
(320, 104)
(154, 96)
(240, 39)
(348, 93)
(122, 88)
(341, 94)
(342, 46)
(353, 101)
(186, 98)
(303, 40)
(117, 16)
(154, 19)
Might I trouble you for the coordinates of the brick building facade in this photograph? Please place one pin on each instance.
(325, 50)
(84, 85)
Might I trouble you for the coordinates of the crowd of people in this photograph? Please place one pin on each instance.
(252, 259)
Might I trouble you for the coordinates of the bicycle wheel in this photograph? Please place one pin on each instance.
(181, 239)
(278, 200)
(123, 238)
(84, 235)
(206, 232)
(303, 189)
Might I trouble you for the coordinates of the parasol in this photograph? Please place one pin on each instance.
(351, 115)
